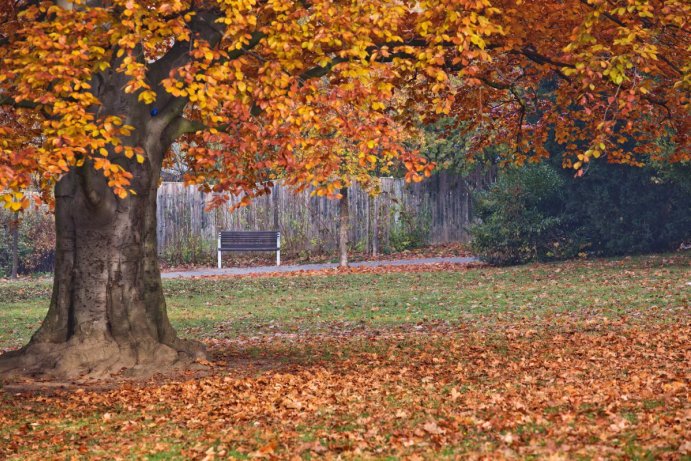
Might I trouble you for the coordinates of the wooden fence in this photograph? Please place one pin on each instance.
(437, 210)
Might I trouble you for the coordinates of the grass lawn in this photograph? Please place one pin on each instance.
(586, 359)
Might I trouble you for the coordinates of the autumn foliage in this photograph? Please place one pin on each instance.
(320, 92)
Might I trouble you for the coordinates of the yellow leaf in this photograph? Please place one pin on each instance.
(147, 97)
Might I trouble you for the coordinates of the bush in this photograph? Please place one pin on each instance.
(521, 218)
(36, 242)
(541, 212)
(624, 210)
(189, 250)
(411, 231)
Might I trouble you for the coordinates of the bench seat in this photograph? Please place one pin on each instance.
(249, 241)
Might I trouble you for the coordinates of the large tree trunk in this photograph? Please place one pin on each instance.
(107, 311)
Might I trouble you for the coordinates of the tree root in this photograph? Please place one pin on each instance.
(92, 360)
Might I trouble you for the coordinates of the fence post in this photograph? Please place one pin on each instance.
(275, 203)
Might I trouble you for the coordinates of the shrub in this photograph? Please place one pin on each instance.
(36, 246)
(189, 250)
(541, 212)
(521, 218)
(624, 210)
(410, 231)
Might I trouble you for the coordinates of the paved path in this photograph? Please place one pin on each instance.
(310, 267)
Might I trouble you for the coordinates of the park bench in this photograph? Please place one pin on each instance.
(249, 241)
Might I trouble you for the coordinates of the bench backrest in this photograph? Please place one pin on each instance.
(249, 240)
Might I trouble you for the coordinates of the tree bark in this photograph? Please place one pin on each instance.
(14, 226)
(107, 312)
(374, 217)
(344, 226)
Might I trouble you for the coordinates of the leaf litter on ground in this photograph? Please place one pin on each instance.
(580, 383)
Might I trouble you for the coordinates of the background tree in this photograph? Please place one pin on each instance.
(94, 92)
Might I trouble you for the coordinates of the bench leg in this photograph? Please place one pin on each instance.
(278, 252)
(278, 258)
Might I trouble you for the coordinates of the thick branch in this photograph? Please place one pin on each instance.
(519, 129)
(181, 126)
(92, 183)
(179, 56)
(320, 71)
(10, 101)
(255, 38)
(531, 53)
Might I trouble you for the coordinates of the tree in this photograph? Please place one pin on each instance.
(94, 92)
(14, 230)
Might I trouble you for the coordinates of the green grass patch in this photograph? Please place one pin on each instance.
(228, 307)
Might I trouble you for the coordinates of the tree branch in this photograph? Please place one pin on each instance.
(531, 53)
(621, 23)
(320, 71)
(179, 56)
(519, 129)
(181, 126)
(10, 101)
